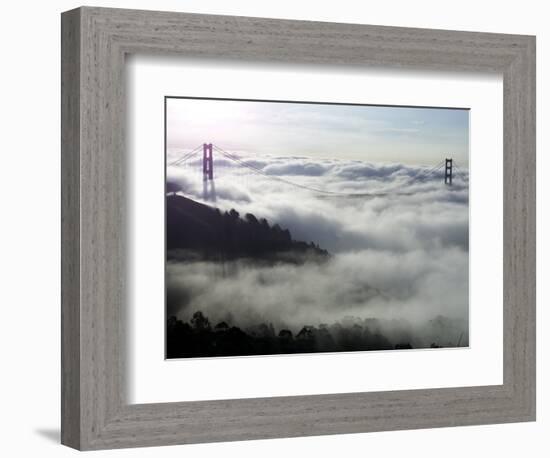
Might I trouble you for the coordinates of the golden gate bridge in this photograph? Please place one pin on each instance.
(449, 166)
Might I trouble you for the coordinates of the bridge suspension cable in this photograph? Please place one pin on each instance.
(423, 174)
(239, 161)
(460, 172)
(184, 158)
(420, 176)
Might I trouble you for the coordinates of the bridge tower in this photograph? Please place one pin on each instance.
(207, 162)
(448, 171)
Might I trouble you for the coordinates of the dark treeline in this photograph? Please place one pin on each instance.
(212, 234)
(199, 338)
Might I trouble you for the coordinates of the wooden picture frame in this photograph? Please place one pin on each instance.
(95, 413)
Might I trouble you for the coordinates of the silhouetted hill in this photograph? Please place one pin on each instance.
(195, 228)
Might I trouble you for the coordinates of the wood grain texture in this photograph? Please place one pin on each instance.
(70, 229)
(95, 413)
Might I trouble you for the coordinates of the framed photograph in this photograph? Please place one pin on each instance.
(277, 228)
(332, 241)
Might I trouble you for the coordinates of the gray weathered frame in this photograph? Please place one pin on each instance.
(95, 414)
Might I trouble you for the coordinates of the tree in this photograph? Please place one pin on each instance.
(285, 334)
(221, 326)
(251, 218)
(286, 235)
(172, 188)
(307, 332)
(199, 322)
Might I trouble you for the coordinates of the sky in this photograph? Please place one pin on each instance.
(406, 135)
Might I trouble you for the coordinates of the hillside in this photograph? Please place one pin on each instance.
(198, 230)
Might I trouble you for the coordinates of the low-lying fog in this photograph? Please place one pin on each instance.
(399, 247)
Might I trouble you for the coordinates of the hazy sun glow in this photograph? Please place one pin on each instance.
(366, 133)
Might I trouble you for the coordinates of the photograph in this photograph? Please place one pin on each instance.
(296, 227)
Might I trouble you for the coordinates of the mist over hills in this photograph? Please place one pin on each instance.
(395, 275)
(234, 281)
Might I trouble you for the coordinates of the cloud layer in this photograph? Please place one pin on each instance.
(398, 236)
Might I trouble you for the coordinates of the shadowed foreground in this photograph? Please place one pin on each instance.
(198, 338)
